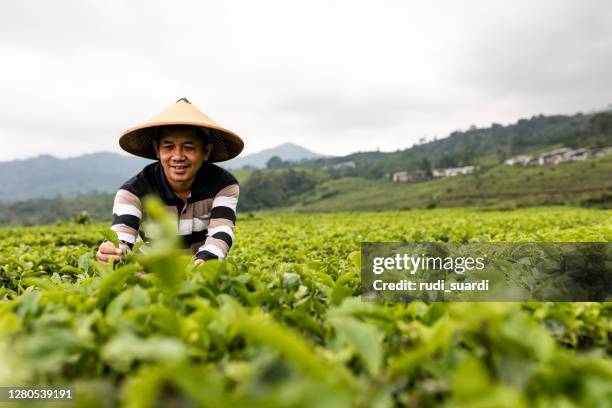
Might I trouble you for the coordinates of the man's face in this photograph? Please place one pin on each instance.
(181, 153)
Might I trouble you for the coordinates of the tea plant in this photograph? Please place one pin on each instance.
(280, 321)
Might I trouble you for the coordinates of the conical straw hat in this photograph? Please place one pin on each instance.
(139, 140)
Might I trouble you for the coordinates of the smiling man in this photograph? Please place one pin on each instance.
(201, 195)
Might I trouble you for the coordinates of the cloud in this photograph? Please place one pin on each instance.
(335, 77)
(548, 56)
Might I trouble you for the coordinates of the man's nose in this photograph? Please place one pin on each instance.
(178, 153)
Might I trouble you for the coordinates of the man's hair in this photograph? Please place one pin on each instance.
(200, 132)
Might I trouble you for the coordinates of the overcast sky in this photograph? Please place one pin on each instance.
(333, 76)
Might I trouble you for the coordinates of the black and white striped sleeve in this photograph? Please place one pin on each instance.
(221, 227)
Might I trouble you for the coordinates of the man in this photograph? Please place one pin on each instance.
(201, 195)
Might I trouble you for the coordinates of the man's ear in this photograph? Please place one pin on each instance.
(207, 151)
(156, 148)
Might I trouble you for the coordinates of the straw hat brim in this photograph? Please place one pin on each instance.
(139, 140)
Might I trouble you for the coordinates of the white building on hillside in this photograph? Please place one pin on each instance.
(454, 171)
(408, 176)
(554, 157)
(521, 159)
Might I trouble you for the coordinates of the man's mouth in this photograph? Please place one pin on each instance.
(179, 168)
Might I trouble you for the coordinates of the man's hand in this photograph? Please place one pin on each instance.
(199, 261)
(107, 250)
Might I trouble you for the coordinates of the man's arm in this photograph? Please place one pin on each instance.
(221, 226)
(127, 214)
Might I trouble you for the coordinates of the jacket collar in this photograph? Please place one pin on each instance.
(198, 186)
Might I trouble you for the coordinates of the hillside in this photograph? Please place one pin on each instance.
(49, 210)
(580, 183)
(585, 183)
(325, 184)
(47, 176)
(483, 146)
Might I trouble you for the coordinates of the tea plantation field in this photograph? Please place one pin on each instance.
(281, 323)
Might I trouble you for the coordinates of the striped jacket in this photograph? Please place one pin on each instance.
(205, 222)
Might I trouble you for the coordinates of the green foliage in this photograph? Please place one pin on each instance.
(275, 189)
(276, 162)
(280, 322)
(98, 207)
(584, 183)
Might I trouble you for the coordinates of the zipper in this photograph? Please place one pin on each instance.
(180, 212)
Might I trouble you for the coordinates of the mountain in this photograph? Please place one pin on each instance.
(583, 183)
(47, 176)
(362, 180)
(356, 181)
(286, 151)
(479, 146)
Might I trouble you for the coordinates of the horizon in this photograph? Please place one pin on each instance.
(242, 155)
(126, 154)
(367, 78)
